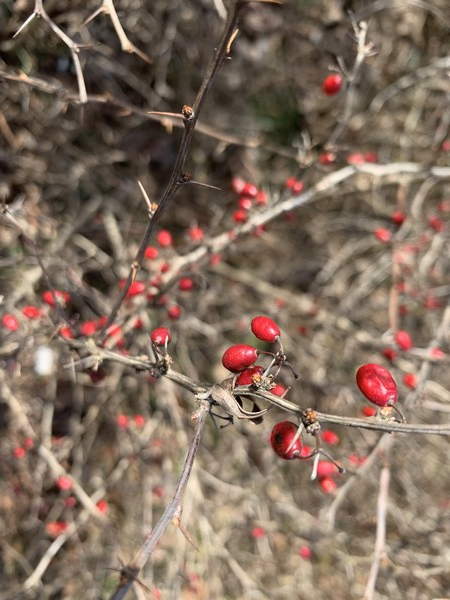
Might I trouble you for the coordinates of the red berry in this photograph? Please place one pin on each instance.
(10, 322)
(88, 328)
(328, 485)
(258, 532)
(64, 483)
(410, 380)
(61, 297)
(66, 332)
(398, 218)
(356, 158)
(19, 452)
(437, 353)
(31, 312)
(403, 340)
(278, 390)
(330, 437)
(305, 552)
(103, 506)
(281, 440)
(174, 312)
(261, 198)
(151, 252)
(265, 329)
(245, 203)
(369, 411)
(382, 234)
(249, 376)
(186, 284)
(377, 384)
(325, 468)
(55, 528)
(240, 216)
(239, 357)
(249, 190)
(327, 158)
(196, 234)
(389, 353)
(139, 420)
(237, 185)
(136, 287)
(160, 336)
(290, 183)
(297, 188)
(122, 421)
(436, 223)
(332, 84)
(164, 238)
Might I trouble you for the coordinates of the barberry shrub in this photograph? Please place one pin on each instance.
(224, 271)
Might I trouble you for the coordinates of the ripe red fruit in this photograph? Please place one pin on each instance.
(305, 552)
(196, 234)
(239, 357)
(62, 297)
(403, 340)
(398, 218)
(66, 332)
(325, 468)
(369, 411)
(160, 336)
(249, 190)
(10, 322)
(88, 328)
(332, 84)
(282, 440)
(330, 437)
(328, 485)
(151, 252)
(186, 284)
(164, 238)
(64, 483)
(265, 329)
(278, 390)
(258, 532)
(389, 353)
(122, 421)
(410, 380)
(377, 384)
(240, 216)
(327, 158)
(103, 506)
(249, 376)
(174, 312)
(245, 203)
(382, 234)
(31, 312)
(237, 185)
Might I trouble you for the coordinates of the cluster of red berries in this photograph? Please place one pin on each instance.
(248, 195)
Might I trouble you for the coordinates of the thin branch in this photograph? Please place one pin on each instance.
(173, 510)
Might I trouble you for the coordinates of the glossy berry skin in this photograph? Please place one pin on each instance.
(249, 376)
(377, 384)
(239, 357)
(281, 440)
(160, 336)
(332, 84)
(265, 329)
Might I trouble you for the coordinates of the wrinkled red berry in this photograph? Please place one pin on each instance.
(62, 297)
(377, 384)
(281, 440)
(239, 357)
(265, 329)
